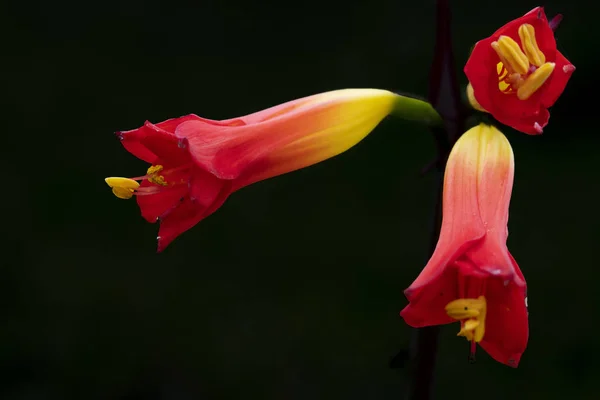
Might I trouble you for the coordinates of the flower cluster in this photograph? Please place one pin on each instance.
(514, 75)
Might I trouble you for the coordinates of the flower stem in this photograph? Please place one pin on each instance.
(444, 95)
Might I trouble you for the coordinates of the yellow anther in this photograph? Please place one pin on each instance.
(154, 178)
(158, 180)
(123, 188)
(511, 55)
(472, 100)
(467, 329)
(533, 52)
(472, 314)
(501, 71)
(535, 81)
(154, 169)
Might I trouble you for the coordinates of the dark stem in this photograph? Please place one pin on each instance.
(424, 341)
(444, 95)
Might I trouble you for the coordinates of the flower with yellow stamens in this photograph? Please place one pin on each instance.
(472, 277)
(196, 163)
(517, 73)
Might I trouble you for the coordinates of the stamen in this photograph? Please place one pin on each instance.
(123, 188)
(154, 169)
(468, 326)
(153, 177)
(530, 46)
(471, 313)
(511, 55)
(158, 180)
(534, 81)
(501, 71)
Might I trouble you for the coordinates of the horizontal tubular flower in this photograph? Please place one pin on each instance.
(196, 163)
(471, 276)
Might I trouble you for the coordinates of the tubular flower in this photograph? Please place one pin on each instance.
(197, 163)
(471, 276)
(517, 73)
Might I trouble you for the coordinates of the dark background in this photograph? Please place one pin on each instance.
(292, 289)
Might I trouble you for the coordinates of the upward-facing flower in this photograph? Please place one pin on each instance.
(517, 73)
(471, 276)
(197, 163)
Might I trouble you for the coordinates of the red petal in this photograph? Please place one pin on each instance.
(557, 82)
(543, 33)
(154, 206)
(204, 139)
(131, 140)
(506, 325)
(526, 124)
(480, 73)
(188, 213)
(205, 187)
(490, 257)
(462, 225)
(134, 140)
(427, 305)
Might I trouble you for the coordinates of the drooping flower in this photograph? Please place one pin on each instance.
(517, 73)
(472, 277)
(197, 163)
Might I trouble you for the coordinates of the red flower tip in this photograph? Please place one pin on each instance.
(517, 73)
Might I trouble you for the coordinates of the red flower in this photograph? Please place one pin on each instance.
(472, 276)
(517, 73)
(197, 163)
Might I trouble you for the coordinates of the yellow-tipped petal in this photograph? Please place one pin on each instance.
(333, 123)
(479, 176)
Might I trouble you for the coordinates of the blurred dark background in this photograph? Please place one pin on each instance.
(292, 289)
